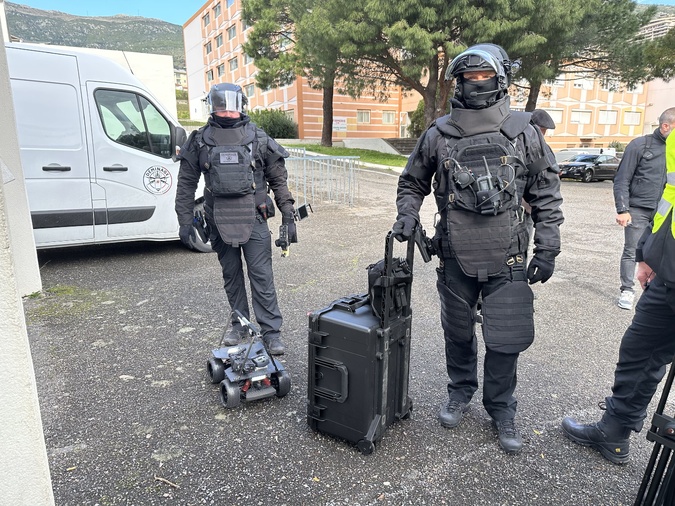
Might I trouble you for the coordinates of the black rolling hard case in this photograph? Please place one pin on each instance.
(359, 354)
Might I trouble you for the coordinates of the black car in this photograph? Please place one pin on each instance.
(589, 168)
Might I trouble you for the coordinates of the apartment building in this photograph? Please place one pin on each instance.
(657, 27)
(213, 38)
(589, 112)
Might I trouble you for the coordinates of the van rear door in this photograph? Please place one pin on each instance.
(132, 159)
(50, 124)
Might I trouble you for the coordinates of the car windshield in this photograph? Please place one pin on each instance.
(583, 158)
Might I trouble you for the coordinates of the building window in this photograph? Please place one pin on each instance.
(209, 75)
(208, 47)
(247, 59)
(290, 114)
(581, 117)
(234, 63)
(556, 115)
(607, 117)
(206, 19)
(608, 84)
(216, 11)
(230, 3)
(244, 26)
(636, 88)
(249, 90)
(221, 69)
(632, 118)
(363, 116)
(219, 40)
(583, 83)
(232, 32)
(388, 117)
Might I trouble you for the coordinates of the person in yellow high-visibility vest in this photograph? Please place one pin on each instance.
(648, 345)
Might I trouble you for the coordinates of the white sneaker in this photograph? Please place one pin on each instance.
(626, 300)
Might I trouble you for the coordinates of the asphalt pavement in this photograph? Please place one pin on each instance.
(121, 337)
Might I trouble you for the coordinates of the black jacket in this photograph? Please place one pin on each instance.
(269, 158)
(641, 175)
(541, 192)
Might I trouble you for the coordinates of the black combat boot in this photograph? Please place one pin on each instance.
(509, 436)
(274, 345)
(451, 414)
(612, 441)
(233, 337)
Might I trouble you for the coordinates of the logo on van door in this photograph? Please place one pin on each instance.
(157, 180)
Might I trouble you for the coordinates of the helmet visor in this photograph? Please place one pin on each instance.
(226, 100)
(472, 60)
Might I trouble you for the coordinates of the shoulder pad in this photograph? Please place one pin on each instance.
(443, 126)
(276, 149)
(515, 124)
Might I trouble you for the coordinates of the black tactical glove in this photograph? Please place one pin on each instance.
(187, 232)
(541, 267)
(288, 219)
(403, 228)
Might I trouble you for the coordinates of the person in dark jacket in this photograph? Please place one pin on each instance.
(480, 161)
(648, 345)
(638, 185)
(239, 162)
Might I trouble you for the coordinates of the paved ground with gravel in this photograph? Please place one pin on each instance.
(121, 337)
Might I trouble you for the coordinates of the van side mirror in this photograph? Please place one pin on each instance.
(179, 136)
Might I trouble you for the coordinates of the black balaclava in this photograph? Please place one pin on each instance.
(479, 94)
(226, 122)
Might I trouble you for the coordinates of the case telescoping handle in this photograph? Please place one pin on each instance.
(389, 252)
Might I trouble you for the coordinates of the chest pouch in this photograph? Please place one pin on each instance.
(229, 172)
(481, 176)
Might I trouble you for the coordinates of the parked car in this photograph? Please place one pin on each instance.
(589, 168)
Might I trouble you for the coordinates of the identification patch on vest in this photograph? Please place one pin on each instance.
(229, 157)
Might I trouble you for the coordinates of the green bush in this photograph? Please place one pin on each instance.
(416, 121)
(617, 145)
(275, 123)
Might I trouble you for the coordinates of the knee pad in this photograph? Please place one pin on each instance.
(508, 318)
(457, 316)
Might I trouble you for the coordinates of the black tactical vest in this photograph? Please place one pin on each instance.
(478, 186)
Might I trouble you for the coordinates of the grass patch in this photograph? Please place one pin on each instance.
(62, 302)
(366, 155)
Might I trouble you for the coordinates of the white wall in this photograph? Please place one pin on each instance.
(194, 65)
(24, 468)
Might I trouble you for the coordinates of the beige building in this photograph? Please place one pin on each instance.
(213, 39)
(589, 112)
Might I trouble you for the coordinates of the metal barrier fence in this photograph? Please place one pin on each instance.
(322, 178)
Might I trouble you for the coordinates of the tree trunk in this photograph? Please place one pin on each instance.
(531, 105)
(327, 127)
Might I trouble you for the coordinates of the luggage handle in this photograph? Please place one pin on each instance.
(388, 299)
(327, 393)
(351, 303)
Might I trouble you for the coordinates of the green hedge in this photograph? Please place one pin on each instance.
(275, 123)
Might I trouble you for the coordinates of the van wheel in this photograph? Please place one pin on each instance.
(588, 176)
(201, 242)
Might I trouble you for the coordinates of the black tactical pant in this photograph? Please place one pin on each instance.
(459, 294)
(647, 347)
(257, 252)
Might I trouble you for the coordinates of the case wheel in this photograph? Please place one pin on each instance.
(282, 383)
(366, 447)
(230, 395)
(215, 369)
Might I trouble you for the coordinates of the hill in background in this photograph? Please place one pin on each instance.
(120, 33)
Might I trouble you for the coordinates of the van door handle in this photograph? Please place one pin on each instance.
(55, 167)
(116, 168)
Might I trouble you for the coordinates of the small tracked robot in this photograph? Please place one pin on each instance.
(247, 372)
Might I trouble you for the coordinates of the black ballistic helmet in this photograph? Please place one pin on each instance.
(226, 97)
(481, 57)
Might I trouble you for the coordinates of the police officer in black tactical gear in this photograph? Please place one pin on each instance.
(480, 160)
(239, 162)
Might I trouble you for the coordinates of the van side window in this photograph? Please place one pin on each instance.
(130, 119)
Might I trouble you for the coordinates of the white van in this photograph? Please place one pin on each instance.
(98, 150)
